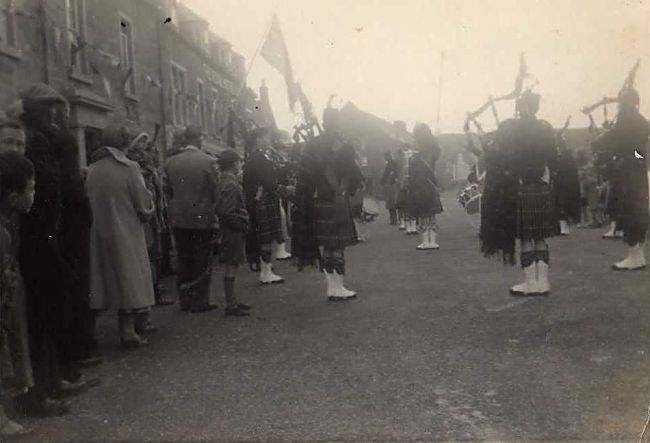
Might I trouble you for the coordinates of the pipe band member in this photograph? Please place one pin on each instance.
(262, 191)
(424, 198)
(528, 148)
(324, 227)
(626, 143)
(389, 183)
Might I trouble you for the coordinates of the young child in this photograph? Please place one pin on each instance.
(234, 223)
(16, 197)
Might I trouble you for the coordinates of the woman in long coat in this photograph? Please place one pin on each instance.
(120, 272)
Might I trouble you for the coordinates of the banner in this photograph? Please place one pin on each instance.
(275, 52)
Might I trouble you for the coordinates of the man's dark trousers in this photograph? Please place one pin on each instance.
(194, 248)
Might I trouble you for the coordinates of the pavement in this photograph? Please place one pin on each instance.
(433, 349)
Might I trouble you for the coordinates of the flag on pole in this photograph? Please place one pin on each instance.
(275, 52)
(307, 108)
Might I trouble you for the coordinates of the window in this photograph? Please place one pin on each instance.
(203, 121)
(179, 95)
(126, 54)
(77, 35)
(7, 24)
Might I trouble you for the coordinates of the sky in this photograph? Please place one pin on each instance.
(385, 55)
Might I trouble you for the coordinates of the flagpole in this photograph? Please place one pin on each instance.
(442, 62)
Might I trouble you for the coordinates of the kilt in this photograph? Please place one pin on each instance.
(332, 230)
(268, 220)
(425, 203)
(232, 247)
(633, 215)
(390, 195)
(402, 199)
(536, 218)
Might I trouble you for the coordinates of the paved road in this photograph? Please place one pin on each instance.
(434, 349)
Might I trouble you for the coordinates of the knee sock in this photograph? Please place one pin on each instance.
(265, 255)
(543, 256)
(528, 258)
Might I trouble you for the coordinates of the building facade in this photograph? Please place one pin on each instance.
(153, 65)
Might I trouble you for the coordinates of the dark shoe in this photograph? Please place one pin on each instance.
(133, 343)
(341, 299)
(90, 362)
(45, 408)
(184, 303)
(163, 301)
(149, 328)
(92, 382)
(245, 307)
(616, 267)
(236, 312)
(200, 309)
(67, 389)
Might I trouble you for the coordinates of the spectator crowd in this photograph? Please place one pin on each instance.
(76, 242)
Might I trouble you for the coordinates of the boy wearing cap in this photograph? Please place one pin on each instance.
(234, 224)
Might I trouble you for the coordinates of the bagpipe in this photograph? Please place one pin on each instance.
(628, 84)
(605, 161)
(472, 117)
(469, 198)
(306, 131)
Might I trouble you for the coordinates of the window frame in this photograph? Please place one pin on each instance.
(202, 107)
(131, 88)
(80, 66)
(9, 37)
(175, 67)
(216, 112)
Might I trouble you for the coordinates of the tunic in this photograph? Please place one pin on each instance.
(121, 204)
(424, 198)
(529, 147)
(326, 179)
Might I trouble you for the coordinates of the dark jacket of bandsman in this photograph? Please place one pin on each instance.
(625, 144)
(324, 173)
